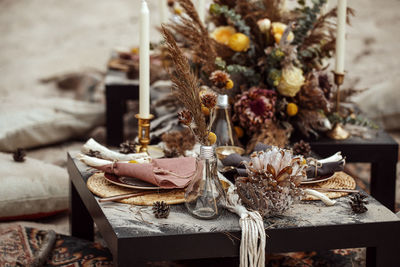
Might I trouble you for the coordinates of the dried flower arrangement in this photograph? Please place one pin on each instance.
(271, 60)
(273, 181)
(186, 87)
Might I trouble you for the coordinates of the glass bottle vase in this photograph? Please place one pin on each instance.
(221, 123)
(205, 194)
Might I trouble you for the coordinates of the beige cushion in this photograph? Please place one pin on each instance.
(31, 189)
(381, 103)
(31, 123)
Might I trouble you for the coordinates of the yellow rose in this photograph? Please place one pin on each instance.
(222, 34)
(291, 81)
(278, 29)
(239, 42)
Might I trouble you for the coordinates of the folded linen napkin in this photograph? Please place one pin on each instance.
(165, 173)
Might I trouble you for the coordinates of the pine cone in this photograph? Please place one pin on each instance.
(161, 209)
(302, 148)
(93, 153)
(127, 147)
(19, 155)
(357, 203)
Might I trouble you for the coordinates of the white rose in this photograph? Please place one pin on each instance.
(291, 81)
(264, 25)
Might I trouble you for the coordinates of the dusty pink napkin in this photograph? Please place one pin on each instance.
(165, 173)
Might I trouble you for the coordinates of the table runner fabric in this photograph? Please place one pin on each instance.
(165, 173)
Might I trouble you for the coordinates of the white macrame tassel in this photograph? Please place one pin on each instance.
(253, 241)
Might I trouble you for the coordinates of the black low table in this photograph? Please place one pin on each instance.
(134, 236)
(381, 152)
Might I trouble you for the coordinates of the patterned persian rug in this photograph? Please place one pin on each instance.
(23, 246)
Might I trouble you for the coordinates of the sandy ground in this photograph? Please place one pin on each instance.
(43, 38)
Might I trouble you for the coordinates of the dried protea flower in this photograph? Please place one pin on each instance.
(185, 117)
(219, 78)
(209, 100)
(273, 181)
(254, 108)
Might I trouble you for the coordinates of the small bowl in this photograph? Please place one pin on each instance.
(224, 151)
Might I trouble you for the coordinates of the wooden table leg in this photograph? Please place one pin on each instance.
(383, 181)
(80, 221)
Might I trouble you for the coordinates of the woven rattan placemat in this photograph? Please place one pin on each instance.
(99, 186)
(340, 180)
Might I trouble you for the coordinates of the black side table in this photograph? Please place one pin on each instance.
(118, 91)
(381, 152)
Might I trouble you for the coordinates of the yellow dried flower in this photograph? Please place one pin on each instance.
(292, 109)
(178, 10)
(239, 42)
(132, 161)
(229, 84)
(291, 81)
(135, 50)
(278, 29)
(222, 34)
(205, 110)
(212, 138)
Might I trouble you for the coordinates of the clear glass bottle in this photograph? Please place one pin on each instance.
(221, 123)
(204, 196)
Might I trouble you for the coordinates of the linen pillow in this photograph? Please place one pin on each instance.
(31, 189)
(30, 123)
(381, 103)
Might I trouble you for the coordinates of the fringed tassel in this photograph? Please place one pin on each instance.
(253, 241)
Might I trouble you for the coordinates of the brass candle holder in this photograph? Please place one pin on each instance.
(338, 132)
(144, 131)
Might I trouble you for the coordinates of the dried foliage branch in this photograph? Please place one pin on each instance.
(203, 48)
(186, 85)
(323, 29)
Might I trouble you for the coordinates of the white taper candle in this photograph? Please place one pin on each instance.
(144, 61)
(162, 6)
(201, 9)
(341, 36)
